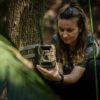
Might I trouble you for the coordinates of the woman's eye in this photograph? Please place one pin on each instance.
(67, 30)
(61, 30)
(70, 30)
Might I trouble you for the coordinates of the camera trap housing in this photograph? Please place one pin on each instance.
(45, 55)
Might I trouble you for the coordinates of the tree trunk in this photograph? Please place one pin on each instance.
(25, 21)
(20, 22)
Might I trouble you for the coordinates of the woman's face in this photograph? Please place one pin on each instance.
(68, 30)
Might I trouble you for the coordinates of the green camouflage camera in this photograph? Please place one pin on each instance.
(45, 55)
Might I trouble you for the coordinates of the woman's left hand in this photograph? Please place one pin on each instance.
(51, 74)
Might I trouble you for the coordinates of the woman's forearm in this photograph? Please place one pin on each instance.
(74, 76)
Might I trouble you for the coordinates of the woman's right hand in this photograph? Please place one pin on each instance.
(51, 74)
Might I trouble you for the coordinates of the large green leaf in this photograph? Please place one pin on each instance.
(21, 82)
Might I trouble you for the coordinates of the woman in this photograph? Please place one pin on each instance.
(75, 50)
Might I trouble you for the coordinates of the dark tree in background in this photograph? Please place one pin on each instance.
(20, 20)
(23, 16)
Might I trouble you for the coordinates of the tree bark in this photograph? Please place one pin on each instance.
(25, 21)
(18, 20)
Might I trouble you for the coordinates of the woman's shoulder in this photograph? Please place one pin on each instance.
(91, 45)
(90, 37)
(91, 40)
(54, 39)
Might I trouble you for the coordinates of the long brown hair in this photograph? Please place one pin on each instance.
(68, 11)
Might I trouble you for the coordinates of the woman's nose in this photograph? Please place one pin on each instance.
(65, 34)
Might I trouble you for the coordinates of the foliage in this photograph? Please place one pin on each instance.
(21, 82)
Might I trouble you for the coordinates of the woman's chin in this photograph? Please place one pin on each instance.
(67, 42)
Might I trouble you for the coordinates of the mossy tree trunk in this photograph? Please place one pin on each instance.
(20, 22)
(23, 20)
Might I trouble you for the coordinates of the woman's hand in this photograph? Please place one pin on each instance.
(50, 74)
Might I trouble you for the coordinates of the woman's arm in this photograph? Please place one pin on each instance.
(55, 76)
(74, 76)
